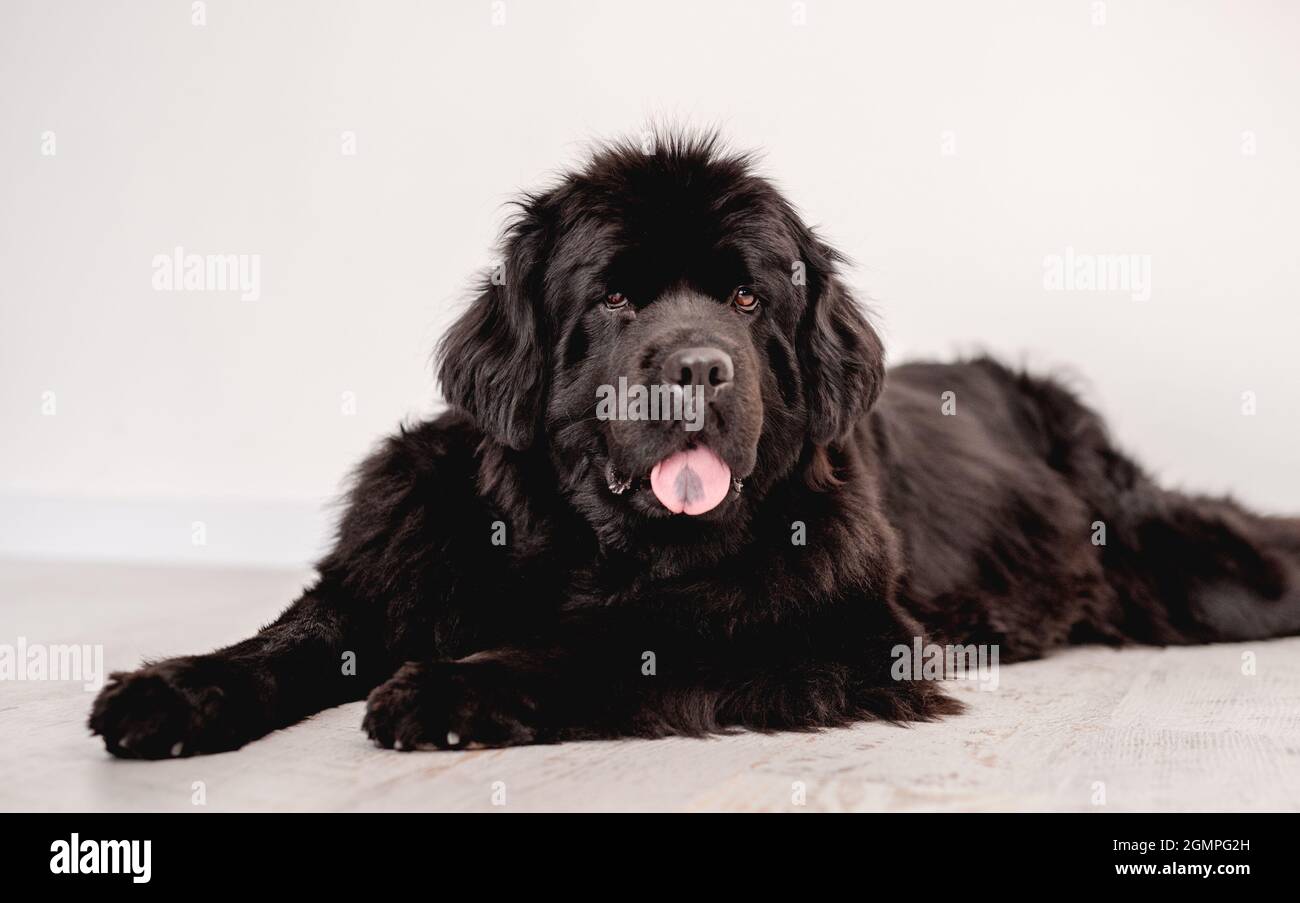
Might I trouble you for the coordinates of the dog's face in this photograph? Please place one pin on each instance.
(671, 334)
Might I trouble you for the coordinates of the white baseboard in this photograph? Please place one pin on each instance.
(259, 533)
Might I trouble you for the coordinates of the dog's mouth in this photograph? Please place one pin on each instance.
(692, 481)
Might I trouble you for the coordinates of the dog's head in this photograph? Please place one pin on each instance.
(670, 333)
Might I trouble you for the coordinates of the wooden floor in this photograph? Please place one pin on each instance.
(1090, 729)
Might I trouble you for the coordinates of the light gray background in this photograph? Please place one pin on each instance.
(1124, 137)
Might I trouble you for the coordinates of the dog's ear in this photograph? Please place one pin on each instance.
(491, 363)
(842, 358)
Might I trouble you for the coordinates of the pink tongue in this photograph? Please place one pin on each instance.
(691, 481)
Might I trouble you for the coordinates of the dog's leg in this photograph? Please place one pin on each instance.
(400, 583)
(604, 676)
(1193, 569)
(1180, 568)
(517, 696)
(309, 659)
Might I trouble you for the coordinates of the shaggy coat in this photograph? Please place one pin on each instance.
(511, 571)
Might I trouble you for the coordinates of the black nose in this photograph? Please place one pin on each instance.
(709, 367)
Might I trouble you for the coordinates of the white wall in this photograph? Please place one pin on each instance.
(1125, 137)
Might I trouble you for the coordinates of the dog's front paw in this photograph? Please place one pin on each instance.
(450, 705)
(174, 708)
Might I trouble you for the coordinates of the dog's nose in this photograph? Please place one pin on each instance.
(709, 367)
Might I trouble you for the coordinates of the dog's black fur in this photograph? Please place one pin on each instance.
(602, 614)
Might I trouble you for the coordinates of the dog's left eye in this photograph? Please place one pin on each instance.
(615, 300)
(744, 298)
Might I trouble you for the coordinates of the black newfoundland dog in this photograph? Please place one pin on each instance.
(526, 569)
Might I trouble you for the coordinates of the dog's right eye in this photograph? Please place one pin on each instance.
(615, 300)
